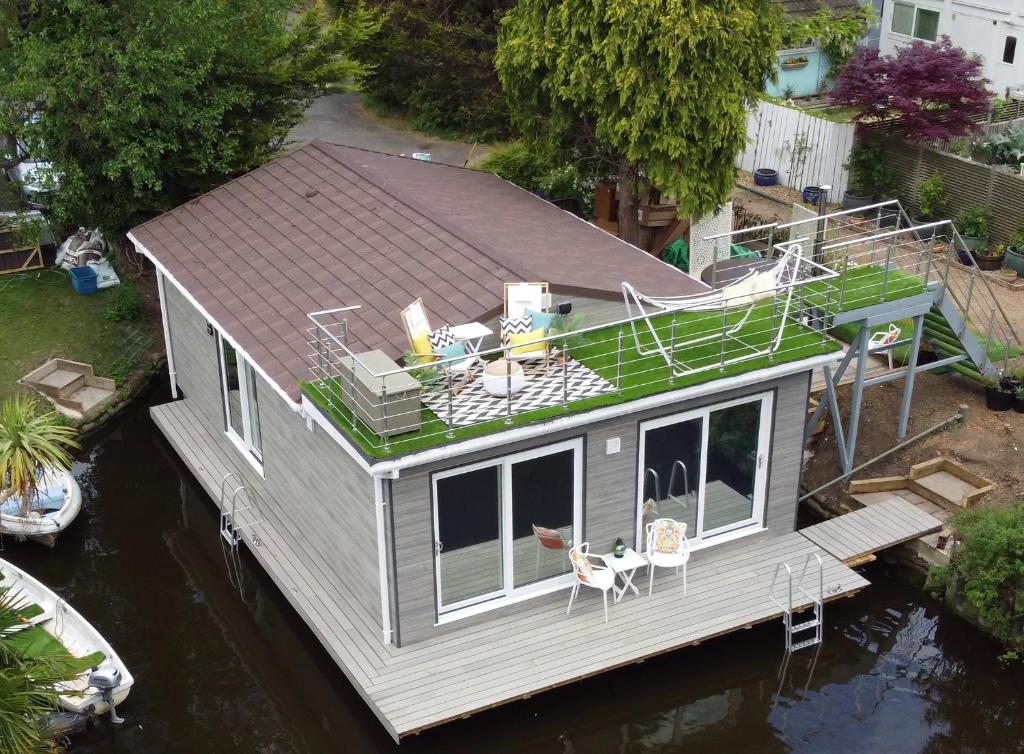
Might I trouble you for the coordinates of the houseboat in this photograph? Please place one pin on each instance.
(415, 391)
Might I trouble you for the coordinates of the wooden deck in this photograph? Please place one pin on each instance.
(491, 663)
(853, 536)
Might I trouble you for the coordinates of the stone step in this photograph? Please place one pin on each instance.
(60, 383)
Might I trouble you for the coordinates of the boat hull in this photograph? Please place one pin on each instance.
(46, 528)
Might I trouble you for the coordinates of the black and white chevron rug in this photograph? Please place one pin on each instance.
(473, 404)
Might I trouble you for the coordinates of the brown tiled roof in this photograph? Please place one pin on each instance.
(328, 226)
(794, 8)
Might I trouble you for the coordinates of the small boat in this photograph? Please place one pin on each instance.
(55, 507)
(52, 625)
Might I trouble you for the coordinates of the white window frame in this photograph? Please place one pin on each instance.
(755, 523)
(246, 373)
(913, 26)
(509, 593)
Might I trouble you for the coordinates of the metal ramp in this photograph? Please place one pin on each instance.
(797, 595)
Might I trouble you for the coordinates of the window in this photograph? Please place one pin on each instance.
(503, 528)
(706, 468)
(915, 22)
(1009, 50)
(241, 407)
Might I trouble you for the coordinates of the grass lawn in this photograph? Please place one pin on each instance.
(642, 375)
(42, 317)
(863, 287)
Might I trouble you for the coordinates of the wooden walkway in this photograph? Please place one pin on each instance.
(853, 536)
(494, 662)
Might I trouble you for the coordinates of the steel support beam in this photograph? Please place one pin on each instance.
(858, 396)
(908, 385)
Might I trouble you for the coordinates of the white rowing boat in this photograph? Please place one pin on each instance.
(55, 507)
(103, 683)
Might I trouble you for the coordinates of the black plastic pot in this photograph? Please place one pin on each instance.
(1018, 404)
(888, 217)
(854, 201)
(998, 400)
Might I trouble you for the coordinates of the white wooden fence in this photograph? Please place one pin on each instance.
(805, 149)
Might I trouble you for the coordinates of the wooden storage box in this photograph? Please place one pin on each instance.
(387, 405)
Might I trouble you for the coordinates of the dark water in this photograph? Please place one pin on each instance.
(216, 674)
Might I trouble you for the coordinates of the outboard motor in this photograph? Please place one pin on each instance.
(106, 678)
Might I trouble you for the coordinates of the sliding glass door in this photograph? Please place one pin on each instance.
(241, 407)
(705, 468)
(503, 528)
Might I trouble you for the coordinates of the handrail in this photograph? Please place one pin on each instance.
(657, 482)
(686, 478)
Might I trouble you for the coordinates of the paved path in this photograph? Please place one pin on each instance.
(341, 119)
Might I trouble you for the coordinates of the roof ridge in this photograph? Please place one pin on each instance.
(470, 239)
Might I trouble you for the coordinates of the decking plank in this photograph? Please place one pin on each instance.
(872, 528)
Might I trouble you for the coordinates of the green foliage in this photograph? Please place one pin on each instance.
(989, 566)
(30, 442)
(147, 103)
(433, 61)
(517, 163)
(974, 221)
(25, 231)
(839, 35)
(570, 189)
(1006, 147)
(125, 303)
(1017, 239)
(869, 171)
(658, 90)
(931, 196)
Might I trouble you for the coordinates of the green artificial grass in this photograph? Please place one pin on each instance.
(41, 317)
(641, 375)
(863, 287)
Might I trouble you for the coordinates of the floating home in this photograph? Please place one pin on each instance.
(412, 388)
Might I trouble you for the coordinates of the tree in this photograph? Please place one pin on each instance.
(143, 104)
(926, 91)
(30, 443)
(656, 90)
(28, 684)
(433, 61)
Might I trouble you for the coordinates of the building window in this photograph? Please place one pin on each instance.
(503, 528)
(1009, 50)
(920, 23)
(241, 407)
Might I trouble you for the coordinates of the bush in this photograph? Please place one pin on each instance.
(570, 189)
(125, 303)
(869, 171)
(988, 566)
(433, 62)
(931, 196)
(974, 221)
(518, 164)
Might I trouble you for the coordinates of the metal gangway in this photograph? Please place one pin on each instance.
(795, 591)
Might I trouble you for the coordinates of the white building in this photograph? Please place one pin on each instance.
(993, 29)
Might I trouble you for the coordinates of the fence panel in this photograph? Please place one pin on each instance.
(804, 149)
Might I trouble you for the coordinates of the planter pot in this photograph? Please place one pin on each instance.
(1018, 404)
(1008, 272)
(998, 400)
(888, 217)
(855, 201)
(766, 177)
(812, 194)
(965, 257)
(990, 263)
(1014, 260)
(793, 66)
(973, 243)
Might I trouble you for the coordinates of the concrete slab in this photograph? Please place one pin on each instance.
(946, 485)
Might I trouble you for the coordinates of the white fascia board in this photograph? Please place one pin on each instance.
(392, 468)
(297, 407)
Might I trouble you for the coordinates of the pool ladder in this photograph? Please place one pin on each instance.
(811, 563)
(231, 529)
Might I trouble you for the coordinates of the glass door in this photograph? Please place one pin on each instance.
(503, 528)
(705, 468)
(241, 407)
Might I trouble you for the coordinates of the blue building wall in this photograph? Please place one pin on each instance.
(803, 81)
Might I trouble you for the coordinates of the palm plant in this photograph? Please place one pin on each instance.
(30, 443)
(28, 685)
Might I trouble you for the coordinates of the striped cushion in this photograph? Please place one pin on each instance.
(441, 338)
(514, 326)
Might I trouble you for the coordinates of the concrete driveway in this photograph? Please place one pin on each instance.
(341, 119)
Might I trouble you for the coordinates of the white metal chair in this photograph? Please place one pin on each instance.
(883, 339)
(589, 574)
(667, 547)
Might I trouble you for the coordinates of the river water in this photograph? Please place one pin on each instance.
(222, 670)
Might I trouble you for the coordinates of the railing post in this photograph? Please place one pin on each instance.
(508, 390)
(885, 273)
(451, 418)
(672, 352)
(842, 283)
(770, 253)
(828, 304)
(618, 361)
(384, 407)
(565, 374)
(771, 327)
(725, 326)
(949, 260)
(928, 266)
(967, 304)
(988, 336)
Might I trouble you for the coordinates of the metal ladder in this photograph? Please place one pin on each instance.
(815, 623)
(231, 530)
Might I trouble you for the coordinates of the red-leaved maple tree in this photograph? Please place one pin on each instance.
(926, 91)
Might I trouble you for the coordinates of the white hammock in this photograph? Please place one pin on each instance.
(755, 286)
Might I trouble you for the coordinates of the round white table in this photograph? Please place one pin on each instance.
(502, 377)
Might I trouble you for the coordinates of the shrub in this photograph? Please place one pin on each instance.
(567, 187)
(869, 171)
(974, 221)
(931, 196)
(517, 163)
(988, 566)
(125, 303)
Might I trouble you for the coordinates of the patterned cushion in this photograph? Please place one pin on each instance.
(441, 337)
(668, 536)
(514, 326)
(581, 564)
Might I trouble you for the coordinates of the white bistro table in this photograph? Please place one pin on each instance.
(625, 567)
(473, 333)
